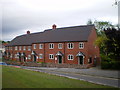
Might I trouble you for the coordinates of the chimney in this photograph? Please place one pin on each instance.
(54, 26)
(28, 32)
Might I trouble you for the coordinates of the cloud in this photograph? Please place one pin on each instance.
(38, 15)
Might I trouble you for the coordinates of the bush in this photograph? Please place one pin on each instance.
(108, 63)
(115, 65)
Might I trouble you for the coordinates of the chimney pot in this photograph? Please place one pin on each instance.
(28, 32)
(54, 26)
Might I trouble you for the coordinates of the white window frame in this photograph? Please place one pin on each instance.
(40, 56)
(59, 45)
(29, 48)
(50, 45)
(16, 47)
(11, 56)
(34, 46)
(29, 57)
(20, 47)
(70, 45)
(16, 56)
(40, 46)
(70, 55)
(82, 45)
(24, 47)
(51, 56)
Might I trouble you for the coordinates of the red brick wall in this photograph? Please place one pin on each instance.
(93, 50)
(64, 51)
(89, 50)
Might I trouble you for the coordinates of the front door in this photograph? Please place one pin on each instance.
(34, 58)
(20, 58)
(80, 60)
(59, 59)
(24, 59)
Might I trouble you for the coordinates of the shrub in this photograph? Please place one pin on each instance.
(109, 63)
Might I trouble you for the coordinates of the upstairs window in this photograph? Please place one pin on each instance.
(51, 46)
(29, 48)
(51, 56)
(70, 45)
(81, 45)
(34, 46)
(40, 56)
(24, 48)
(60, 46)
(40, 46)
(70, 57)
(16, 47)
(20, 47)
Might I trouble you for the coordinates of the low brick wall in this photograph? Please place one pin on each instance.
(33, 64)
(67, 65)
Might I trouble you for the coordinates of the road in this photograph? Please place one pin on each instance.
(98, 79)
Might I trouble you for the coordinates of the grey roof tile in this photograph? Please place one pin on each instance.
(66, 34)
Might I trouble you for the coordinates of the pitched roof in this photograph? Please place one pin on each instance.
(76, 33)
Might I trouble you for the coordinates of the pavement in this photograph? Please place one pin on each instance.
(94, 74)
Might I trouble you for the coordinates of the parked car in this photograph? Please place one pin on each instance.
(3, 63)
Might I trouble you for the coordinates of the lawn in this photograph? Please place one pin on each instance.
(20, 78)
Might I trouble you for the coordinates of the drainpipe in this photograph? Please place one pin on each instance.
(64, 52)
(44, 52)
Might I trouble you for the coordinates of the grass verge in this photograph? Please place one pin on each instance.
(20, 78)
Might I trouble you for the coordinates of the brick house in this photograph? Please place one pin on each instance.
(68, 45)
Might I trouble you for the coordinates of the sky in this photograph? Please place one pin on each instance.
(19, 16)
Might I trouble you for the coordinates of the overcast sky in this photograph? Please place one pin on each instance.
(18, 16)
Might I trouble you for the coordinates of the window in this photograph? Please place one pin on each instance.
(24, 48)
(70, 45)
(15, 47)
(60, 46)
(20, 48)
(40, 46)
(40, 56)
(34, 46)
(70, 57)
(29, 48)
(51, 56)
(51, 46)
(29, 56)
(11, 56)
(16, 56)
(90, 60)
(81, 45)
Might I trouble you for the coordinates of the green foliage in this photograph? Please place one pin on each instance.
(109, 63)
(89, 22)
(101, 43)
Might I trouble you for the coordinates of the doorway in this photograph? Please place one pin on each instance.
(80, 60)
(19, 58)
(34, 58)
(60, 59)
(24, 59)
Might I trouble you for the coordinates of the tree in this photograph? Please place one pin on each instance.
(89, 22)
(101, 43)
(101, 25)
(113, 44)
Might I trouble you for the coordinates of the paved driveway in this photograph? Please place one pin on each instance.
(94, 75)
